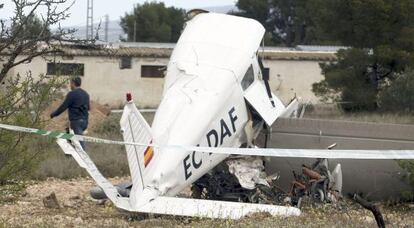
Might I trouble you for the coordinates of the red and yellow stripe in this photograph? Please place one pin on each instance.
(148, 154)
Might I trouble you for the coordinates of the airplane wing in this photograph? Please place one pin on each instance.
(313, 153)
(270, 152)
(213, 208)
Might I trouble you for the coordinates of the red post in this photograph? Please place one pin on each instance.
(129, 97)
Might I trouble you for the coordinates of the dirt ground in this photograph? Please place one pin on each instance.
(78, 209)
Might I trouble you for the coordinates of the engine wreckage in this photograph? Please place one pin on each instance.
(241, 179)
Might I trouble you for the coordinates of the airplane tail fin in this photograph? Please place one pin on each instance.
(134, 128)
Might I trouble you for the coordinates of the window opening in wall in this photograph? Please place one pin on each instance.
(65, 69)
(125, 63)
(150, 71)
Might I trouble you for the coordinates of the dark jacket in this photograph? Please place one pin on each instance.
(77, 101)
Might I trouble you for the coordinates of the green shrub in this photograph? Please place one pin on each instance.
(348, 81)
(399, 96)
(22, 102)
(408, 166)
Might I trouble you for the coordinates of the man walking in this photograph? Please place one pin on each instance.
(77, 103)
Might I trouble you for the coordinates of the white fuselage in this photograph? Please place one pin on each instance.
(194, 114)
(203, 101)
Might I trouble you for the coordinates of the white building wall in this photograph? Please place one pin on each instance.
(290, 77)
(108, 84)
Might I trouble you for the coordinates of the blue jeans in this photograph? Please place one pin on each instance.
(78, 127)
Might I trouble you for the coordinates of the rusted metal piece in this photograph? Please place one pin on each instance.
(311, 173)
(314, 183)
(298, 185)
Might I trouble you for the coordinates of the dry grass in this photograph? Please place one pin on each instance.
(79, 210)
(110, 159)
(20, 208)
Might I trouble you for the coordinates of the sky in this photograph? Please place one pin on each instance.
(115, 8)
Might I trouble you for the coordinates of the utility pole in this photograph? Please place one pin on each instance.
(135, 31)
(89, 20)
(106, 27)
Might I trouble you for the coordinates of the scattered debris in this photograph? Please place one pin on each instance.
(220, 184)
(248, 170)
(51, 201)
(318, 183)
(244, 180)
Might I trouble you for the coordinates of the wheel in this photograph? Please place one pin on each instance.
(318, 196)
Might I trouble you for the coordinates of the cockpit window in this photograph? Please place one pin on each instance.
(248, 78)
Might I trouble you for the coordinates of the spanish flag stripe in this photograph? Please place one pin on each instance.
(148, 154)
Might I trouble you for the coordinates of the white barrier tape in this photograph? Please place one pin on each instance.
(267, 152)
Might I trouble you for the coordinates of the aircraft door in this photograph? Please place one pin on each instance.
(256, 93)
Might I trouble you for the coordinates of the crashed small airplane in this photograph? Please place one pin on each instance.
(215, 102)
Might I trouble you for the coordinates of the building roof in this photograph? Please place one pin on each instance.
(320, 48)
(164, 50)
(299, 55)
(117, 50)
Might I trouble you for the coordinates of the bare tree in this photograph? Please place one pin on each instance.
(33, 31)
(29, 34)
